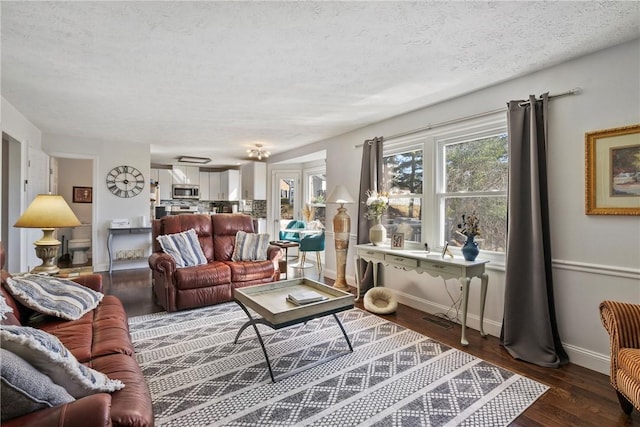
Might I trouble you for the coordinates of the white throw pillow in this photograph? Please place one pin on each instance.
(48, 355)
(56, 297)
(250, 247)
(183, 247)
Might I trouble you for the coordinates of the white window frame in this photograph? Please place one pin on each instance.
(431, 142)
(487, 129)
(400, 148)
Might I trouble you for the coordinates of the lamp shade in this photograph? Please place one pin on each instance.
(341, 195)
(48, 211)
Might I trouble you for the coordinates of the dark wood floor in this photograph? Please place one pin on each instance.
(578, 396)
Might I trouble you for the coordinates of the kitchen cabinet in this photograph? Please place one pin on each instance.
(230, 184)
(204, 187)
(214, 186)
(224, 185)
(254, 181)
(186, 175)
(165, 181)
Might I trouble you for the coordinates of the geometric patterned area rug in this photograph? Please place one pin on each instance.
(394, 377)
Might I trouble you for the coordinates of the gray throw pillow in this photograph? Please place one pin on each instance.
(24, 389)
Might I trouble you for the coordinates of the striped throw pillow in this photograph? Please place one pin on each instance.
(250, 247)
(48, 355)
(55, 297)
(183, 247)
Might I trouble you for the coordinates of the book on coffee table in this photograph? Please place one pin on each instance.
(305, 297)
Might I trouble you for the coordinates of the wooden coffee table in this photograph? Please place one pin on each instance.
(270, 302)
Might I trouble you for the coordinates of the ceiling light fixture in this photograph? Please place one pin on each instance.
(190, 159)
(258, 152)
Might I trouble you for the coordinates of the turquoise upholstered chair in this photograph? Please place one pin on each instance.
(312, 243)
(289, 235)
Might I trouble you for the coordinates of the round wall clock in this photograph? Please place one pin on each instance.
(125, 181)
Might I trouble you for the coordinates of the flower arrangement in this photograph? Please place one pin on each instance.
(377, 204)
(470, 225)
(308, 212)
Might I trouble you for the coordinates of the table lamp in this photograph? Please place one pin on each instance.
(341, 230)
(48, 212)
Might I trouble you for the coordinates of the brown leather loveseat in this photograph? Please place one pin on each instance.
(213, 282)
(100, 340)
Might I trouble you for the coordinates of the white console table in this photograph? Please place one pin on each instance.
(432, 264)
(119, 232)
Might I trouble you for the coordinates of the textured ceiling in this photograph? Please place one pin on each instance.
(213, 78)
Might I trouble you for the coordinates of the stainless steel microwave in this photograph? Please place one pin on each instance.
(185, 191)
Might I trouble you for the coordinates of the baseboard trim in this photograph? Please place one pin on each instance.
(588, 359)
(491, 327)
(577, 355)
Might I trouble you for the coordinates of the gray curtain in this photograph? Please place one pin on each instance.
(529, 328)
(370, 179)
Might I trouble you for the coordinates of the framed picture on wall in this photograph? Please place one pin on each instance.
(82, 195)
(613, 171)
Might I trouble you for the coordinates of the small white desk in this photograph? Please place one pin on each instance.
(121, 231)
(434, 265)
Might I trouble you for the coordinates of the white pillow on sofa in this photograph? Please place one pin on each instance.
(49, 356)
(250, 247)
(57, 297)
(183, 247)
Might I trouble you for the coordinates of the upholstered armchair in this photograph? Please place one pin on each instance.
(622, 322)
(292, 236)
(312, 243)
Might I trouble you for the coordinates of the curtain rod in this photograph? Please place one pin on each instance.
(573, 91)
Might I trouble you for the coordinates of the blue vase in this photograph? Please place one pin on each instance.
(470, 249)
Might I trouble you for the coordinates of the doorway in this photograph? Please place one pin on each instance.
(287, 196)
(69, 176)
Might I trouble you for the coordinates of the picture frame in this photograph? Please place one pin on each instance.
(445, 249)
(612, 175)
(397, 241)
(82, 194)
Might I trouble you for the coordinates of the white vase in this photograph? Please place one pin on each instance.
(377, 233)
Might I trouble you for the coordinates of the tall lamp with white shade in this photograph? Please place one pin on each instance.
(341, 229)
(48, 212)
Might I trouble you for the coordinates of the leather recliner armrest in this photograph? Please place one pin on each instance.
(90, 411)
(162, 262)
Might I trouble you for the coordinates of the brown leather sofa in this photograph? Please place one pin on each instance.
(622, 322)
(100, 340)
(211, 283)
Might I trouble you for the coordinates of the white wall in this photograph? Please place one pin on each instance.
(16, 125)
(595, 257)
(106, 206)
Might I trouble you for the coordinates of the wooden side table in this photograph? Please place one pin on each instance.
(285, 244)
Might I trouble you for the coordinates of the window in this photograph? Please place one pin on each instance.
(473, 178)
(467, 170)
(403, 175)
(316, 194)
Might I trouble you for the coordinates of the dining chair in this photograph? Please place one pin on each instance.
(312, 243)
